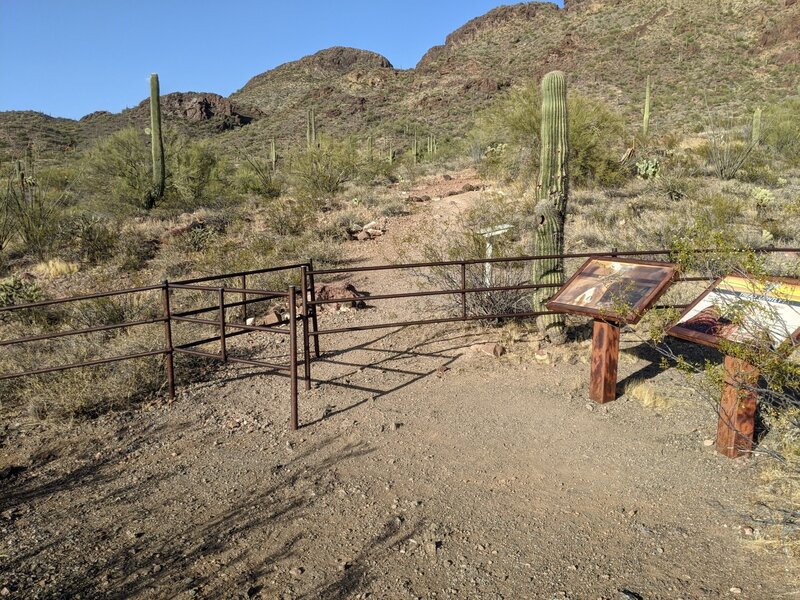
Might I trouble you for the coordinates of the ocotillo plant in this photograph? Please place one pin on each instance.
(391, 152)
(551, 200)
(755, 130)
(646, 116)
(273, 154)
(157, 143)
(369, 148)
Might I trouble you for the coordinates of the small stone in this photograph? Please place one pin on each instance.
(395, 426)
(708, 443)
(432, 547)
(542, 356)
(747, 530)
(736, 590)
(362, 236)
(590, 407)
(5, 592)
(156, 569)
(297, 572)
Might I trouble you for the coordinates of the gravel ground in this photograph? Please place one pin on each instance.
(425, 469)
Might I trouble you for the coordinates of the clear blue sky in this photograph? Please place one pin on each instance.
(68, 58)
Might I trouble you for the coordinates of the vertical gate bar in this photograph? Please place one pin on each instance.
(306, 345)
(243, 283)
(223, 344)
(293, 419)
(170, 356)
(463, 287)
(313, 293)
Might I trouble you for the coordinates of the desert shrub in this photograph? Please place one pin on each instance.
(134, 249)
(35, 201)
(120, 171)
(87, 391)
(87, 238)
(507, 135)
(198, 175)
(255, 176)
(781, 131)
(465, 242)
(376, 171)
(119, 168)
(15, 290)
(321, 171)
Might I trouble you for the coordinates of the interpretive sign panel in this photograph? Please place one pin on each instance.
(619, 290)
(743, 310)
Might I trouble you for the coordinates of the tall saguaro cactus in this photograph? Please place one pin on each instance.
(755, 131)
(551, 200)
(646, 116)
(157, 144)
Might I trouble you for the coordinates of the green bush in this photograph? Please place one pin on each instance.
(34, 202)
(120, 171)
(320, 172)
(120, 166)
(781, 130)
(507, 138)
(255, 176)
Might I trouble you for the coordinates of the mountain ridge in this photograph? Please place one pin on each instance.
(733, 57)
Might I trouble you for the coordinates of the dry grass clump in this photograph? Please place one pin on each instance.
(777, 517)
(84, 391)
(648, 395)
(55, 267)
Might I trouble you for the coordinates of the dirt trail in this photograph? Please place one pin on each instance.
(425, 470)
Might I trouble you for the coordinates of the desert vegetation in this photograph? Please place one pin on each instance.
(566, 169)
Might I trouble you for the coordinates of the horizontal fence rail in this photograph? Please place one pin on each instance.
(225, 328)
(302, 307)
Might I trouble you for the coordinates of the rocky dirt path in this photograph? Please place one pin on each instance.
(425, 469)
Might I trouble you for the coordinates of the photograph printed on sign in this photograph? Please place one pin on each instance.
(741, 310)
(613, 287)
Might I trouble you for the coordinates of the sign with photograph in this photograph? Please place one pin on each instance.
(615, 289)
(743, 310)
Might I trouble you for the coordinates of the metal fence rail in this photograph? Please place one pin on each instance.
(168, 318)
(306, 315)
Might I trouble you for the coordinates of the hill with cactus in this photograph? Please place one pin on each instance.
(700, 56)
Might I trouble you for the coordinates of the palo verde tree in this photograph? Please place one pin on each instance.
(551, 200)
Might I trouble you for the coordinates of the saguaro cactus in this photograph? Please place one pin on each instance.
(551, 200)
(157, 144)
(755, 131)
(311, 128)
(646, 117)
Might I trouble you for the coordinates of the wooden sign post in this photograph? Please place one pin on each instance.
(737, 409)
(605, 359)
(740, 310)
(613, 291)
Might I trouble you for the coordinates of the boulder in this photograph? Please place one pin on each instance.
(346, 292)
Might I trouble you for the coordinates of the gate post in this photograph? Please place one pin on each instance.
(293, 419)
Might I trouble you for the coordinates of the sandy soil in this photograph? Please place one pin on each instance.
(425, 469)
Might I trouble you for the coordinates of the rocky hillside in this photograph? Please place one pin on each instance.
(732, 55)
